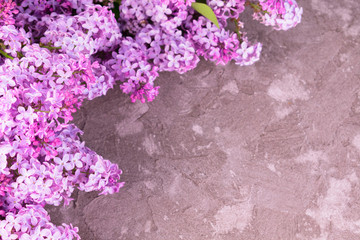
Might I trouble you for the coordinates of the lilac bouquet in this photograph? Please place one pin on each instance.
(56, 53)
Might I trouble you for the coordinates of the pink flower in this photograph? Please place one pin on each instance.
(280, 14)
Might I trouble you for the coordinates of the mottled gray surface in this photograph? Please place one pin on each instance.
(266, 152)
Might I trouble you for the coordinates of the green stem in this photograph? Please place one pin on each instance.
(20, 55)
(237, 29)
(38, 110)
(6, 55)
(78, 71)
(50, 48)
(257, 7)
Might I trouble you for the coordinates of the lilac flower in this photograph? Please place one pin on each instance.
(32, 222)
(13, 38)
(62, 58)
(160, 13)
(129, 67)
(273, 5)
(227, 9)
(138, 78)
(42, 189)
(214, 44)
(67, 163)
(173, 61)
(247, 55)
(127, 87)
(280, 14)
(17, 163)
(25, 174)
(28, 114)
(3, 164)
(63, 76)
(76, 160)
(42, 58)
(7, 9)
(13, 201)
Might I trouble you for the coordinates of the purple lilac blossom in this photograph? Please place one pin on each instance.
(36, 89)
(33, 222)
(95, 29)
(212, 43)
(227, 9)
(57, 53)
(280, 14)
(7, 10)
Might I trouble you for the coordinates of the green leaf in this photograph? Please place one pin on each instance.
(206, 11)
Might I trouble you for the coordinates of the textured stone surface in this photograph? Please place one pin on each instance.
(270, 151)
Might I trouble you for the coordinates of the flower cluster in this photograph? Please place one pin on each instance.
(42, 159)
(7, 11)
(56, 53)
(91, 31)
(280, 14)
(33, 222)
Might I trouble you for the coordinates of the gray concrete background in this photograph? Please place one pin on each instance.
(265, 152)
